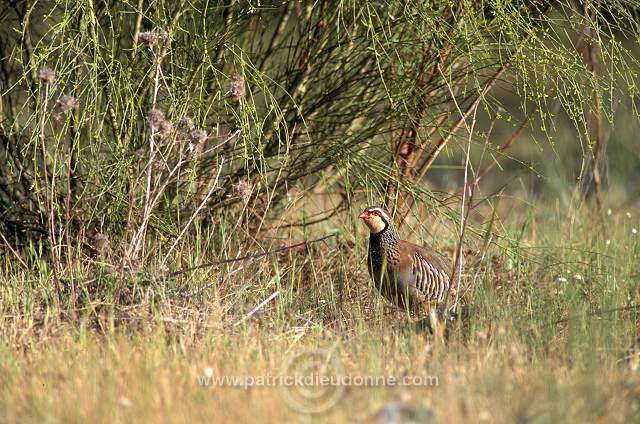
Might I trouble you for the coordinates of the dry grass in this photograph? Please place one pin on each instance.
(510, 360)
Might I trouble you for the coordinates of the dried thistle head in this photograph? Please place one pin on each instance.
(186, 124)
(154, 117)
(164, 129)
(236, 88)
(198, 136)
(66, 103)
(196, 139)
(47, 75)
(241, 189)
(140, 153)
(163, 36)
(158, 122)
(152, 38)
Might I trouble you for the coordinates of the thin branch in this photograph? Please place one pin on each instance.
(462, 120)
(14, 252)
(195, 213)
(506, 145)
(463, 216)
(249, 257)
(257, 308)
(598, 313)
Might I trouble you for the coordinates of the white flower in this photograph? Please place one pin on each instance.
(577, 276)
(628, 214)
(608, 242)
(208, 372)
(609, 212)
(634, 230)
(124, 402)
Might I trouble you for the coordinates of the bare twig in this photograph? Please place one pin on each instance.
(594, 117)
(249, 257)
(14, 252)
(598, 313)
(136, 28)
(195, 213)
(462, 119)
(257, 308)
(47, 76)
(506, 145)
(212, 283)
(463, 216)
(137, 243)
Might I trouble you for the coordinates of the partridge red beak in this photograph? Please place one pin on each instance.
(364, 215)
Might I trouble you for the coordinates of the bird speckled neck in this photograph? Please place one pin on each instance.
(382, 244)
(386, 236)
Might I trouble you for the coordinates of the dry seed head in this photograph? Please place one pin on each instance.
(66, 103)
(140, 153)
(159, 166)
(198, 137)
(241, 189)
(154, 117)
(158, 122)
(47, 75)
(186, 124)
(164, 128)
(236, 88)
(149, 38)
(152, 38)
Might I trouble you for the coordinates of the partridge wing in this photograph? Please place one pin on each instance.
(430, 272)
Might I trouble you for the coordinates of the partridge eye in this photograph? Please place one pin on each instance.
(375, 213)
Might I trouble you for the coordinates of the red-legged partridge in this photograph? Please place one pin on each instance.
(408, 275)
